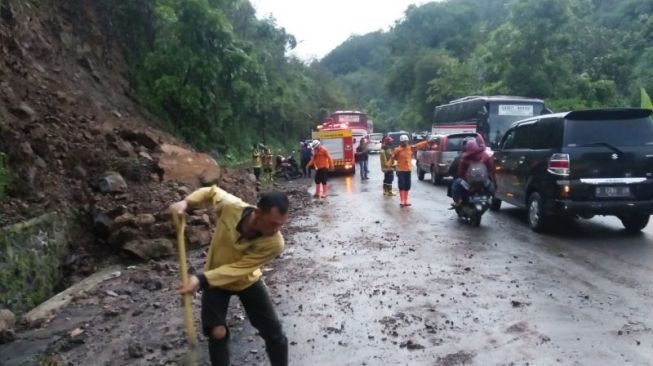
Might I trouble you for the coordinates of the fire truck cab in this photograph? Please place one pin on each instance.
(338, 139)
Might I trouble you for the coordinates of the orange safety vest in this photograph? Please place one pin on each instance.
(404, 156)
(321, 158)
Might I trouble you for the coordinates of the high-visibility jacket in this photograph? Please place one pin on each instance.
(385, 155)
(321, 158)
(233, 263)
(404, 156)
(256, 159)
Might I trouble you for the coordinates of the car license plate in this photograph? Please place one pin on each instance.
(612, 192)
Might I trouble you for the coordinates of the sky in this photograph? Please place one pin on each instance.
(321, 25)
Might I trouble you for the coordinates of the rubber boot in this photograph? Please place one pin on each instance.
(317, 191)
(325, 191)
(386, 192)
(390, 192)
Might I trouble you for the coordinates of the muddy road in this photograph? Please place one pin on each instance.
(365, 282)
(370, 283)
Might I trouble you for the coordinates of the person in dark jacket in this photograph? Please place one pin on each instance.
(306, 154)
(473, 153)
(362, 156)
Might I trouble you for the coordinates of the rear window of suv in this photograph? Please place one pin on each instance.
(622, 132)
(455, 142)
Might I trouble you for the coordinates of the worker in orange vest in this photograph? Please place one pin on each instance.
(322, 162)
(403, 155)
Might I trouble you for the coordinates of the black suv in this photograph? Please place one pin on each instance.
(581, 163)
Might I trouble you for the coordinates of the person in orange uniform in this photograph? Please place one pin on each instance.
(403, 155)
(322, 162)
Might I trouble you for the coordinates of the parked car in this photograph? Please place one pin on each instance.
(374, 144)
(437, 156)
(581, 163)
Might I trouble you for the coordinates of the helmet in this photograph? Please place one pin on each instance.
(403, 138)
(472, 146)
(388, 140)
(315, 143)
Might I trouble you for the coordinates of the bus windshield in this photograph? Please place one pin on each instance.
(356, 120)
(503, 114)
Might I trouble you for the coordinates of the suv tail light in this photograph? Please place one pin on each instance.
(559, 164)
(444, 143)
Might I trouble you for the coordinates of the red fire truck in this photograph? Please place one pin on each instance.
(337, 138)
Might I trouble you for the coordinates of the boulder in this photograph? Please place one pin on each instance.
(144, 220)
(142, 138)
(147, 249)
(23, 111)
(187, 167)
(7, 319)
(125, 149)
(123, 220)
(112, 182)
(198, 236)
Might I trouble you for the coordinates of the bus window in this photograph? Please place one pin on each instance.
(503, 114)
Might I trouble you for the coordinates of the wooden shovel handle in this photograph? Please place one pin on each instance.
(180, 225)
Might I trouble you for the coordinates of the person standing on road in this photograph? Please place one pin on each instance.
(247, 238)
(403, 155)
(388, 172)
(268, 164)
(322, 162)
(362, 156)
(306, 154)
(257, 162)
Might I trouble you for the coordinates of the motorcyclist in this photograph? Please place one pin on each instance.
(476, 169)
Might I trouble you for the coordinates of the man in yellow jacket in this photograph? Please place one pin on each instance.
(257, 162)
(246, 238)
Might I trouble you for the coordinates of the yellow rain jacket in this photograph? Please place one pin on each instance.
(257, 162)
(385, 155)
(233, 263)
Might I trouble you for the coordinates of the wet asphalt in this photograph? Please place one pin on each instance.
(365, 282)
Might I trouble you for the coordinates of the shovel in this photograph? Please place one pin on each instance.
(191, 357)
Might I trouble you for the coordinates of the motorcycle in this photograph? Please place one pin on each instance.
(287, 167)
(473, 207)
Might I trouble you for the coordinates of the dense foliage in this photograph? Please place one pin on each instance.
(572, 53)
(217, 75)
